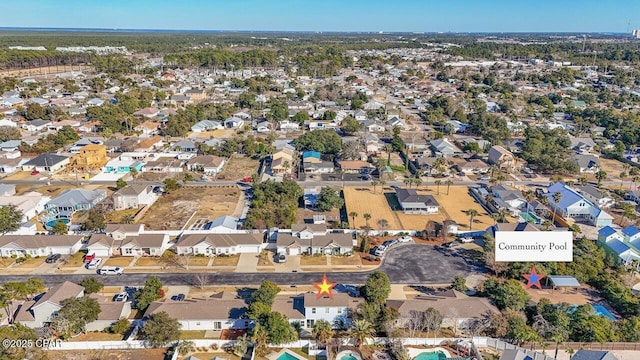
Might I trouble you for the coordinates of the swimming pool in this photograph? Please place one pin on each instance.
(432, 355)
(529, 217)
(51, 223)
(286, 356)
(602, 311)
(348, 357)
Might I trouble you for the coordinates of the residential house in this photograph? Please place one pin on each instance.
(619, 245)
(110, 312)
(123, 165)
(336, 310)
(586, 163)
(147, 128)
(233, 123)
(30, 204)
(209, 164)
(472, 166)
(122, 231)
(75, 148)
(412, 203)
(39, 245)
(164, 165)
(133, 196)
(508, 198)
(48, 162)
(457, 309)
(519, 226)
(219, 244)
(102, 245)
(292, 307)
(323, 167)
(593, 355)
(286, 125)
(444, 148)
(501, 157)
(187, 146)
(573, 205)
(205, 314)
(632, 235)
(514, 354)
(7, 122)
(597, 196)
(92, 156)
(36, 125)
(373, 125)
(180, 100)
(41, 312)
(582, 144)
(313, 239)
(196, 94)
(8, 165)
(147, 112)
(263, 126)
(311, 157)
(632, 195)
(73, 200)
(144, 245)
(95, 102)
(149, 145)
(207, 125)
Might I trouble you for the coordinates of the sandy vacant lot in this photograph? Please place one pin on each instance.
(173, 210)
(383, 205)
(41, 71)
(612, 167)
(238, 168)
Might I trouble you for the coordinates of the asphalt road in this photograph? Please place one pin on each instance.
(406, 264)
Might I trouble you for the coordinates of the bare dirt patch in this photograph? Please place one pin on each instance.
(238, 168)
(172, 211)
(313, 260)
(612, 167)
(231, 260)
(118, 261)
(346, 260)
(141, 354)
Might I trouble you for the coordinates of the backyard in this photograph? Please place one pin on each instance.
(173, 210)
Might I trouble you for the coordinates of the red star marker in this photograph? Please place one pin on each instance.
(533, 279)
(324, 287)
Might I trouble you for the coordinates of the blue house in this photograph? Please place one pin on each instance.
(631, 234)
(618, 244)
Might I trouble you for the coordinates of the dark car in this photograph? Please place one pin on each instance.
(52, 258)
(179, 297)
(452, 244)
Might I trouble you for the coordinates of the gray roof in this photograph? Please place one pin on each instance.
(73, 197)
(338, 239)
(38, 122)
(47, 159)
(585, 160)
(339, 300)
(60, 292)
(207, 309)
(320, 165)
(593, 355)
(220, 240)
(40, 241)
(591, 190)
(514, 354)
(229, 222)
(412, 196)
(563, 281)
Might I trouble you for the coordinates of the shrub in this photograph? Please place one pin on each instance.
(160, 293)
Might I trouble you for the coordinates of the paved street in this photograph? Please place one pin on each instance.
(409, 264)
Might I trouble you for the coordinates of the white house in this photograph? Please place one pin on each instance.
(103, 245)
(145, 245)
(412, 203)
(209, 164)
(217, 244)
(313, 239)
(39, 245)
(31, 203)
(121, 231)
(233, 122)
(204, 314)
(335, 310)
(574, 206)
(133, 197)
(36, 314)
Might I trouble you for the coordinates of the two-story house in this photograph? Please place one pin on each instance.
(133, 197)
(334, 309)
(41, 312)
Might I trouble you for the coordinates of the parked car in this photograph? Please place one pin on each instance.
(123, 296)
(466, 239)
(111, 270)
(35, 172)
(452, 244)
(405, 239)
(282, 258)
(379, 250)
(351, 290)
(88, 258)
(52, 258)
(93, 264)
(485, 177)
(179, 297)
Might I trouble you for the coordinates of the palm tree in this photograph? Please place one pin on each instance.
(382, 184)
(582, 180)
(322, 331)
(502, 213)
(495, 217)
(353, 216)
(557, 196)
(448, 183)
(635, 180)
(438, 183)
(388, 149)
(627, 211)
(601, 175)
(127, 219)
(260, 337)
(529, 196)
(360, 331)
(418, 182)
(622, 176)
(408, 182)
(383, 223)
(374, 183)
(471, 213)
(367, 217)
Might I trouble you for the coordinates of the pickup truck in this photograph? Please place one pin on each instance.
(89, 257)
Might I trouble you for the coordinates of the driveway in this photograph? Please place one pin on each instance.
(292, 263)
(247, 263)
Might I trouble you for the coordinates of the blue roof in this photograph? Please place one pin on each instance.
(630, 230)
(313, 154)
(569, 196)
(607, 231)
(618, 246)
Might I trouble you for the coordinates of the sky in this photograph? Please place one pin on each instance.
(328, 15)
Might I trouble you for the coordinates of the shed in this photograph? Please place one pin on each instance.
(563, 281)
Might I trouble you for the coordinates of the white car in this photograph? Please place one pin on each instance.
(282, 258)
(121, 297)
(111, 270)
(379, 250)
(466, 239)
(405, 239)
(94, 263)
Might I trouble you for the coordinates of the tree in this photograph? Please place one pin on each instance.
(127, 219)
(374, 183)
(432, 320)
(600, 175)
(19, 332)
(471, 213)
(266, 293)
(322, 331)
(360, 331)
(279, 329)
(9, 133)
(120, 184)
(438, 183)
(350, 125)
(121, 326)
(382, 224)
(329, 199)
(448, 183)
(366, 217)
(10, 292)
(508, 294)
(322, 141)
(459, 284)
(557, 196)
(160, 329)
(60, 228)
(241, 345)
(171, 185)
(74, 315)
(34, 111)
(185, 346)
(519, 331)
(34, 286)
(94, 220)
(260, 336)
(91, 285)
(10, 219)
(149, 293)
(353, 215)
(377, 288)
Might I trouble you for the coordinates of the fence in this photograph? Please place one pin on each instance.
(628, 346)
(501, 345)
